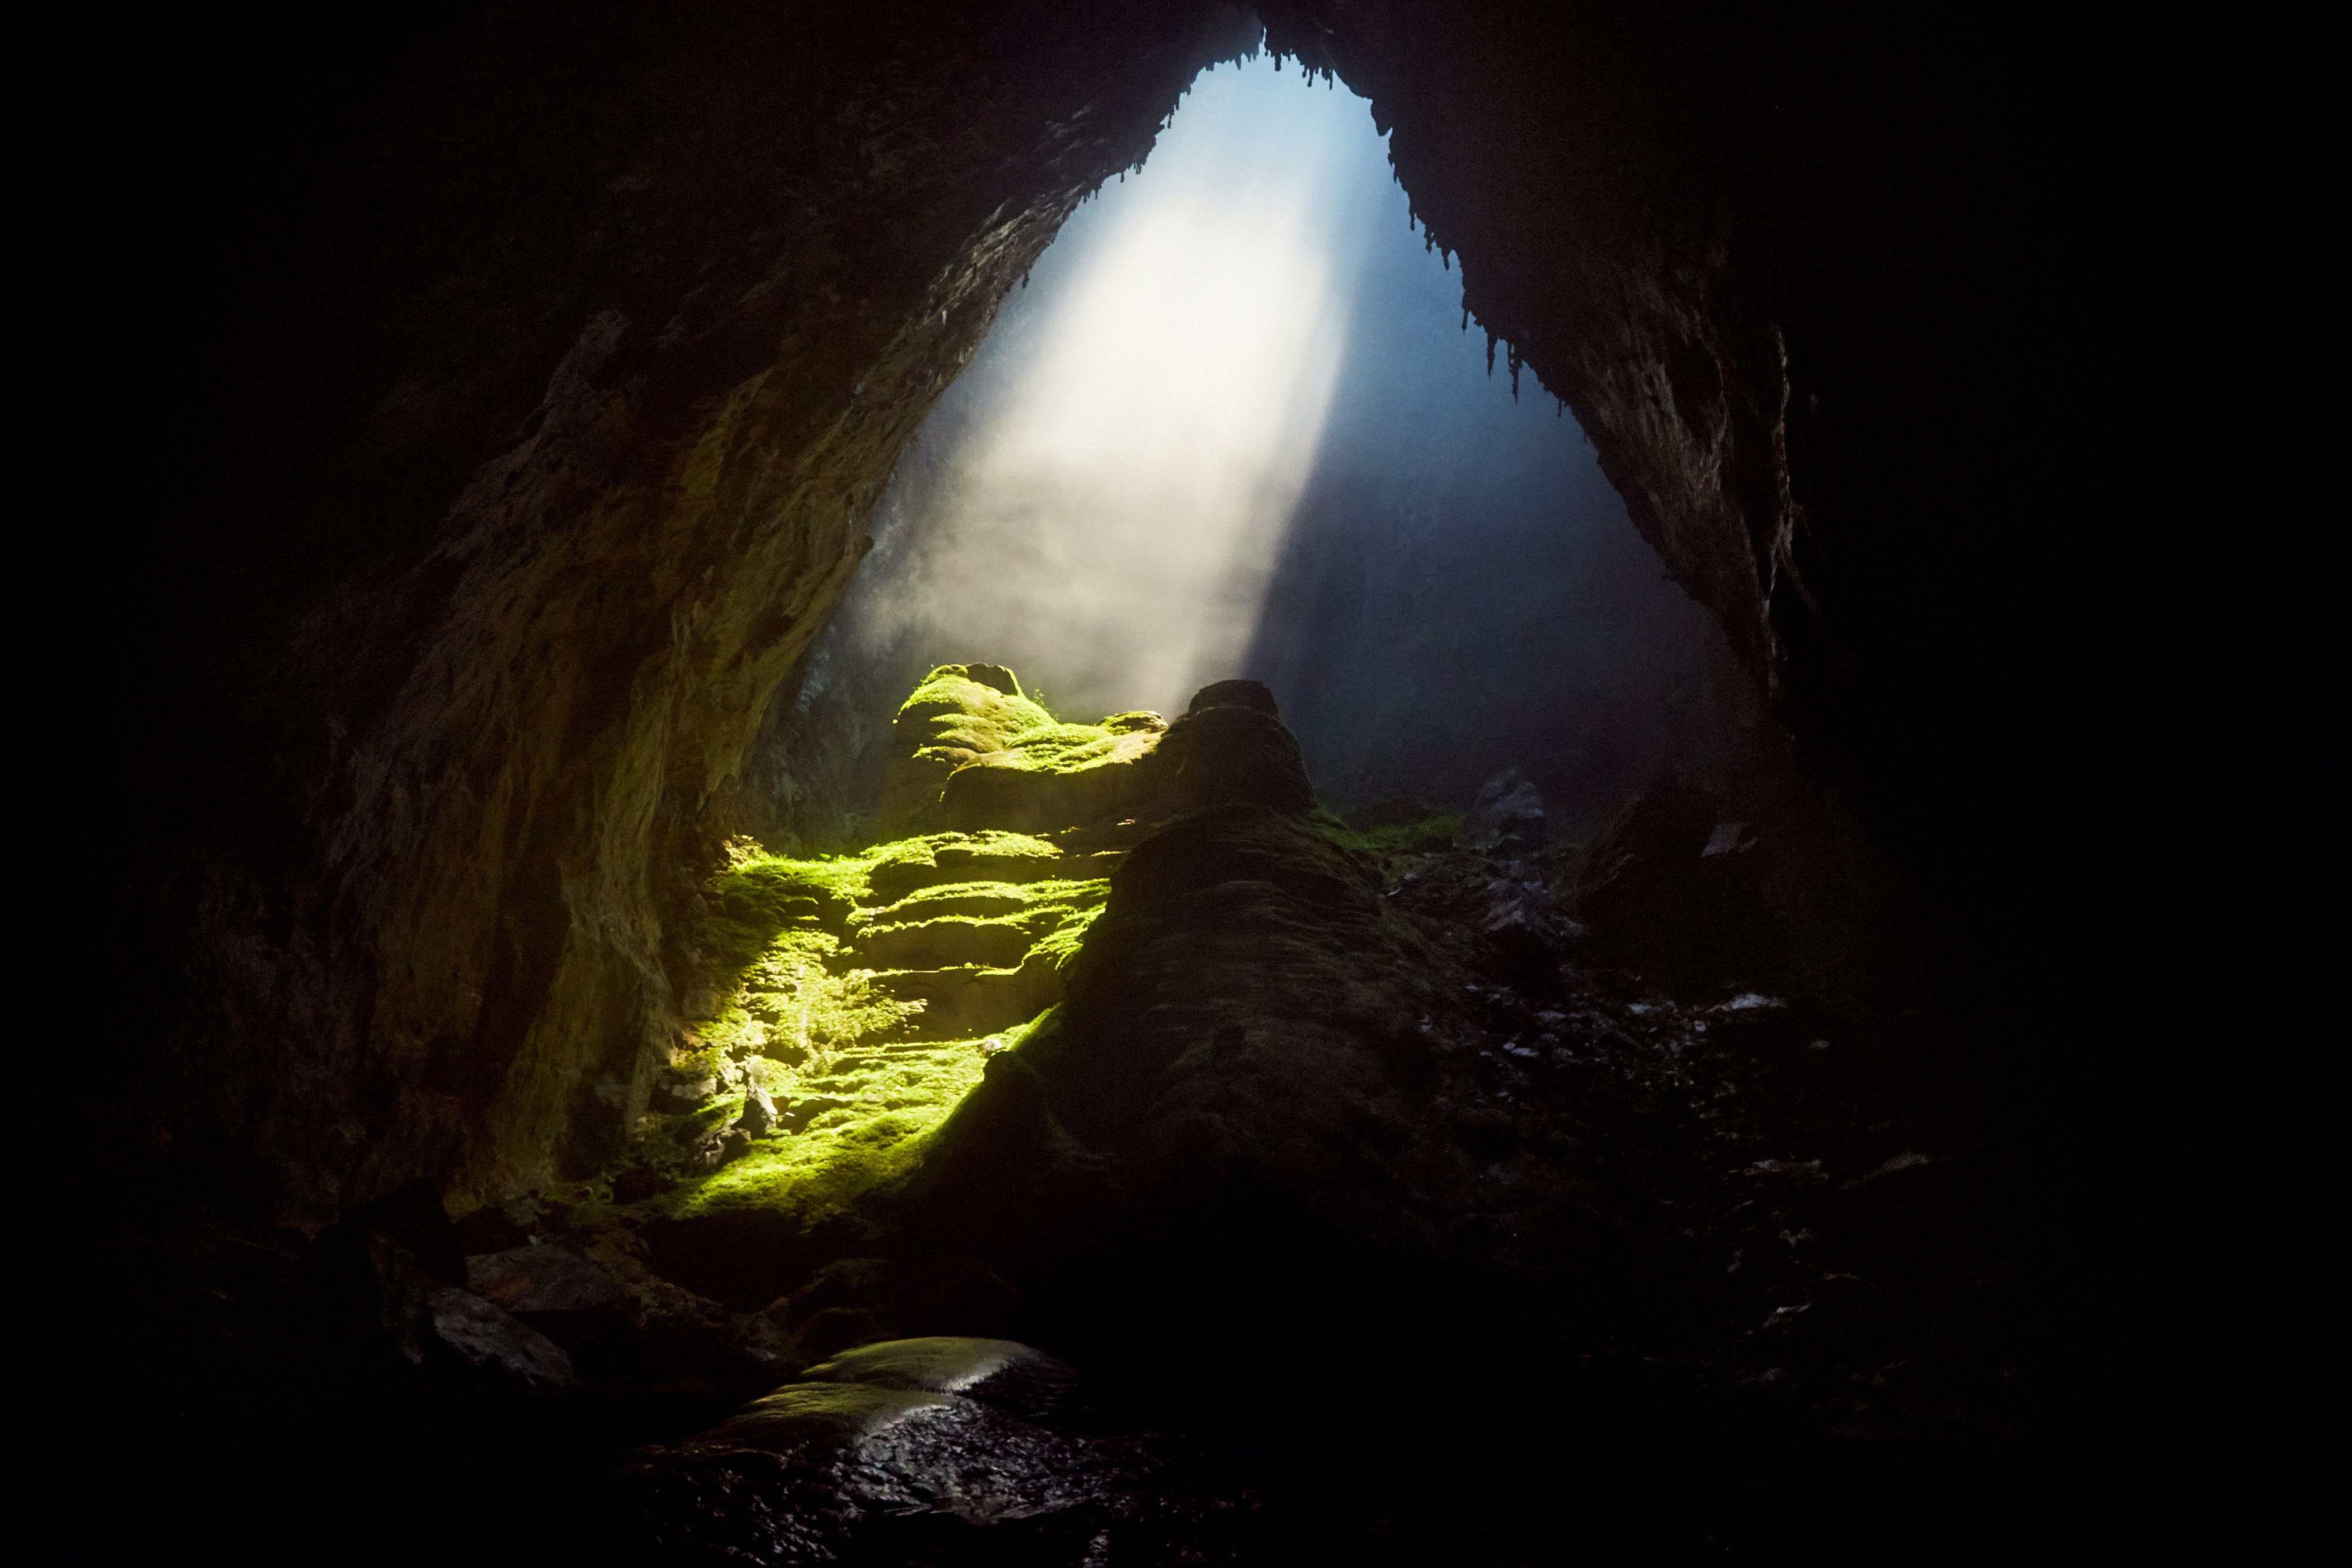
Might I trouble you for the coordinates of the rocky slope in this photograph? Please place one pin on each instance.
(1363, 1122)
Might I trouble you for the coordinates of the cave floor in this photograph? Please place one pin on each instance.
(1754, 1270)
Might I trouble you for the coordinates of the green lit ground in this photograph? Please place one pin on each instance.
(868, 992)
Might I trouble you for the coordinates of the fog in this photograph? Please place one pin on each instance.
(1233, 425)
(1100, 500)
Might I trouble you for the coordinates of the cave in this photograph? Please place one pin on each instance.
(1600, 1025)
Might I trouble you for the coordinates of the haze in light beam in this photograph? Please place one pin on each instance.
(1135, 438)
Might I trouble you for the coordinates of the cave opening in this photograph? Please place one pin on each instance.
(1237, 421)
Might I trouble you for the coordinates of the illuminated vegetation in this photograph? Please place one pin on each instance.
(863, 994)
(952, 717)
(976, 752)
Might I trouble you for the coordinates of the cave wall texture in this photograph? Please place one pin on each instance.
(540, 367)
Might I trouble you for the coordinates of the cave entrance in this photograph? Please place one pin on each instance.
(1239, 422)
(1235, 436)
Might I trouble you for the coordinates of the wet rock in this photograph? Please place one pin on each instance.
(497, 1344)
(541, 1282)
(759, 1116)
(675, 1091)
(812, 1469)
(1508, 820)
(1000, 1371)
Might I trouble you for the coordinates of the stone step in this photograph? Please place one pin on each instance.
(894, 880)
(965, 1001)
(944, 944)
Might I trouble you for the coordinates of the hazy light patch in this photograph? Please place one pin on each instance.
(1127, 453)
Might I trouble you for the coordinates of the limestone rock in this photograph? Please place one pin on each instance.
(1231, 749)
(758, 1111)
(971, 752)
(1658, 903)
(952, 719)
(1235, 694)
(541, 1281)
(1000, 1371)
(495, 1344)
(1507, 820)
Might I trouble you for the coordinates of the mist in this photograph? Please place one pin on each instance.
(1234, 426)
(1101, 499)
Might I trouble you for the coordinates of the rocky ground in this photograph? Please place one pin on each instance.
(1357, 1194)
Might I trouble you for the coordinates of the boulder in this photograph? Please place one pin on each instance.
(540, 1282)
(759, 1116)
(809, 1471)
(496, 1344)
(1507, 820)
(1664, 898)
(1230, 748)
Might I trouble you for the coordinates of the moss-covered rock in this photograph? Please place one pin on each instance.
(861, 995)
(867, 995)
(1057, 777)
(959, 713)
(1245, 1014)
(972, 752)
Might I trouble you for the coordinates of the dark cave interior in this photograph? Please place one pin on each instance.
(594, 1086)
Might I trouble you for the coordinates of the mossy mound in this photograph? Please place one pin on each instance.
(972, 752)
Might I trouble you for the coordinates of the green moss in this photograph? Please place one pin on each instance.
(757, 897)
(1061, 749)
(886, 864)
(1061, 944)
(858, 1124)
(815, 1020)
(1135, 721)
(1039, 908)
(951, 713)
(797, 1005)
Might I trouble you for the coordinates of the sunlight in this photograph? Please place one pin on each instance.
(1129, 474)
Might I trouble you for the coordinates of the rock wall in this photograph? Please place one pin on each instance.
(1830, 291)
(547, 380)
(540, 371)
